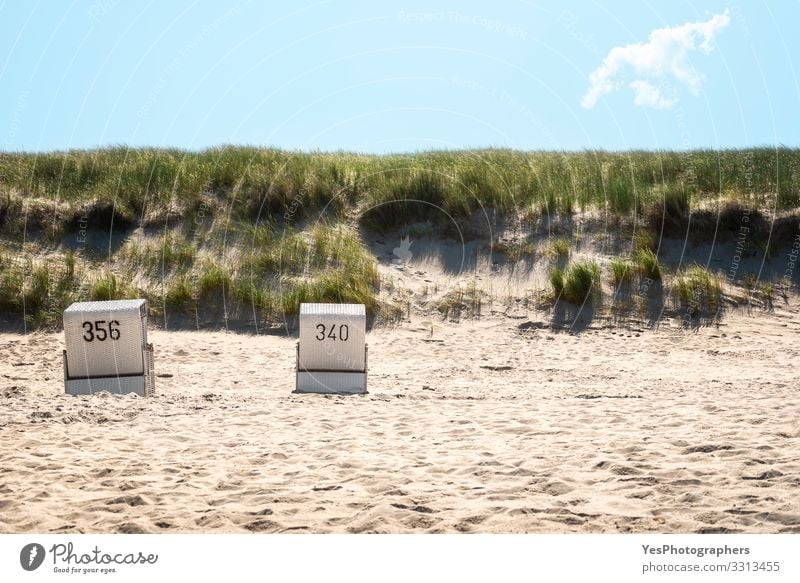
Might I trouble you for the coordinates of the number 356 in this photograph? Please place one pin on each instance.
(101, 330)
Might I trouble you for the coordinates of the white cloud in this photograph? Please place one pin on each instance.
(665, 54)
(648, 95)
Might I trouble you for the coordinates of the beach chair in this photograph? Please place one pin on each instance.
(332, 349)
(107, 348)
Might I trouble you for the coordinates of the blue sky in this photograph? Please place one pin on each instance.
(404, 76)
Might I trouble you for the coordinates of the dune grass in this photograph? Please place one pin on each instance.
(621, 271)
(556, 278)
(645, 240)
(38, 290)
(514, 251)
(647, 264)
(263, 229)
(109, 286)
(559, 247)
(393, 188)
(697, 289)
(669, 212)
(577, 283)
(461, 302)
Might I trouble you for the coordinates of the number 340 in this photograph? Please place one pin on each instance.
(101, 330)
(329, 332)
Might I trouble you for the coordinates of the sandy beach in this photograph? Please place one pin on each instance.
(498, 424)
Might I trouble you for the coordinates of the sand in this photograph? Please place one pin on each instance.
(497, 424)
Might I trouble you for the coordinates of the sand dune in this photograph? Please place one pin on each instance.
(492, 425)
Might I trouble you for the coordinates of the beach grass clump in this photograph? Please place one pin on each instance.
(176, 254)
(581, 282)
(38, 289)
(577, 283)
(645, 239)
(160, 257)
(179, 292)
(297, 253)
(461, 302)
(647, 265)
(556, 278)
(212, 278)
(767, 291)
(514, 251)
(69, 264)
(697, 288)
(451, 305)
(474, 298)
(621, 271)
(109, 286)
(669, 213)
(327, 263)
(559, 247)
(11, 291)
(620, 190)
(328, 288)
(250, 295)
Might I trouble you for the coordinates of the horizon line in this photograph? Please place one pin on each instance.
(466, 149)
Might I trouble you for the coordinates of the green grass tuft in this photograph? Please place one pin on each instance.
(647, 265)
(559, 247)
(581, 282)
(578, 283)
(621, 270)
(696, 288)
(109, 286)
(556, 278)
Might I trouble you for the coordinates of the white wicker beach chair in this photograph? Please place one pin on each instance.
(107, 348)
(332, 350)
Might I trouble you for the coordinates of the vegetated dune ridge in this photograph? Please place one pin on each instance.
(262, 230)
(498, 423)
